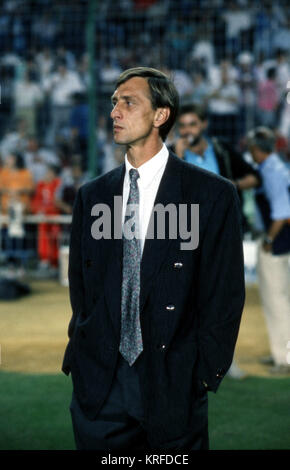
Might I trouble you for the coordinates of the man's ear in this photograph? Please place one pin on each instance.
(161, 116)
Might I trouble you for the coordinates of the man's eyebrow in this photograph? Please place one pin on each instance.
(123, 97)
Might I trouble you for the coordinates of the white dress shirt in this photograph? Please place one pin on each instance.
(150, 175)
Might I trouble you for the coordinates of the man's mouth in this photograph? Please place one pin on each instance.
(117, 128)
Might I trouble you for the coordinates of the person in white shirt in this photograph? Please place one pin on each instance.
(37, 158)
(224, 106)
(153, 326)
(27, 96)
(60, 87)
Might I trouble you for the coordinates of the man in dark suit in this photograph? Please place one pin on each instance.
(155, 318)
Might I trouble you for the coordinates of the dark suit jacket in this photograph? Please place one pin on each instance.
(183, 346)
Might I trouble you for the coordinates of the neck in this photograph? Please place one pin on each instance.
(139, 154)
(264, 157)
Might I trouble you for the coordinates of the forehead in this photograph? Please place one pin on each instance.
(135, 86)
(188, 118)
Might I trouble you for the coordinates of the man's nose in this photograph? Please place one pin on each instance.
(186, 130)
(116, 113)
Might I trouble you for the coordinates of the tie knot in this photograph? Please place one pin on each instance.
(134, 175)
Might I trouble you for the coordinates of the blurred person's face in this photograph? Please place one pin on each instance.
(32, 145)
(49, 175)
(191, 127)
(245, 66)
(224, 75)
(133, 116)
(11, 161)
(76, 172)
(61, 69)
(256, 153)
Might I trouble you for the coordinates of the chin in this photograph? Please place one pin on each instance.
(119, 141)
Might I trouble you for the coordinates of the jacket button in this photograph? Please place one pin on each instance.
(220, 373)
(178, 265)
(88, 263)
(161, 347)
(170, 307)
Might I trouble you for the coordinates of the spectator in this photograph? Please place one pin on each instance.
(281, 38)
(79, 125)
(45, 61)
(48, 233)
(109, 74)
(246, 79)
(28, 95)
(273, 200)
(60, 86)
(37, 158)
(16, 187)
(183, 83)
(203, 49)
(179, 39)
(211, 153)
(44, 30)
(83, 70)
(7, 73)
(282, 70)
(285, 119)
(15, 139)
(267, 100)
(16, 183)
(224, 106)
(264, 27)
(62, 53)
(201, 88)
(66, 192)
(237, 20)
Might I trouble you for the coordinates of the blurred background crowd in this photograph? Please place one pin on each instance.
(230, 57)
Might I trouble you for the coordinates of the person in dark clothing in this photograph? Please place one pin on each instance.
(154, 324)
(210, 153)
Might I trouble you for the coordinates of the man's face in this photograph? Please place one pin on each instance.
(191, 127)
(132, 114)
(255, 153)
(32, 145)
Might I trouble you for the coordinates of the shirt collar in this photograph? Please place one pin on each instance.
(208, 149)
(149, 169)
(266, 162)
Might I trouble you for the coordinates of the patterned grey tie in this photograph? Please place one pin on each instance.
(131, 337)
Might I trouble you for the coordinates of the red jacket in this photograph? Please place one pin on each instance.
(43, 200)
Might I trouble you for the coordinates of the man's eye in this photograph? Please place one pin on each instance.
(129, 103)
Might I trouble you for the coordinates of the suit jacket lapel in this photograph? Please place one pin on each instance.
(154, 252)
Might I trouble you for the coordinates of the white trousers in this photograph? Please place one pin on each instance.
(274, 285)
